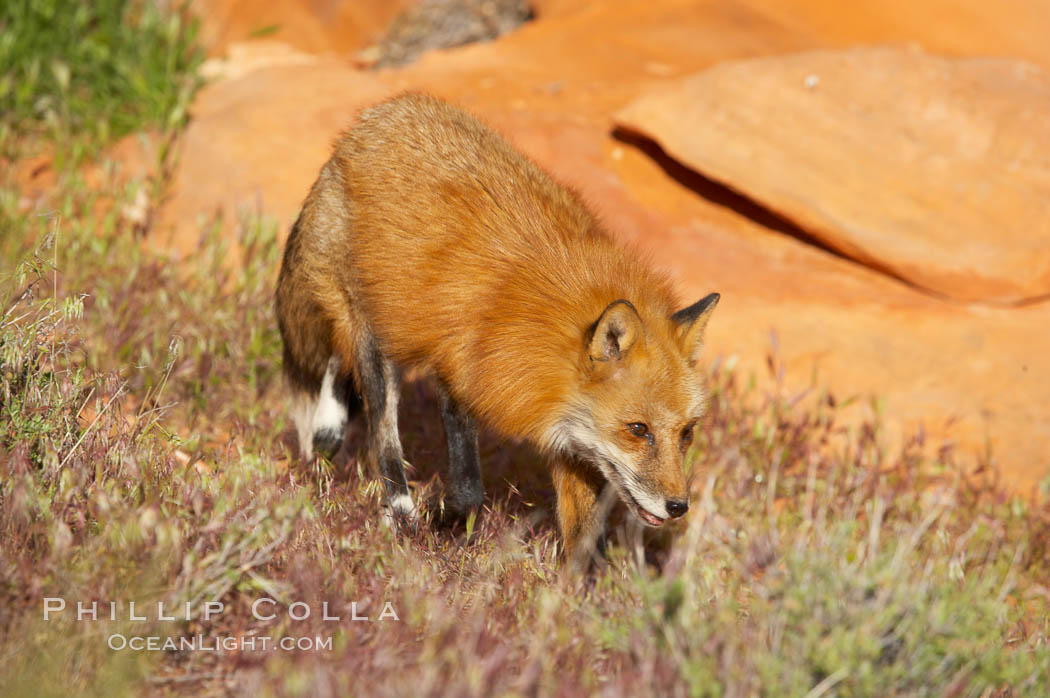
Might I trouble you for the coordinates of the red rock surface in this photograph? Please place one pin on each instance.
(934, 170)
(974, 374)
(256, 143)
(1015, 28)
(318, 26)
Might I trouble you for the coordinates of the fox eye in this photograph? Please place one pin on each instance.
(638, 429)
(687, 435)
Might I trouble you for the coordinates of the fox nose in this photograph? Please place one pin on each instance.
(677, 507)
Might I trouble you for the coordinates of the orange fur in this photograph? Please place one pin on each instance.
(466, 261)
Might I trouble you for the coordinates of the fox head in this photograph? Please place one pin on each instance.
(638, 403)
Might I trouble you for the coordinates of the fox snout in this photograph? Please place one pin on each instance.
(677, 508)
(654, 511)
(653, 507)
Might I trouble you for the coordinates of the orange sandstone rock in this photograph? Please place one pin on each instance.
(934, 170)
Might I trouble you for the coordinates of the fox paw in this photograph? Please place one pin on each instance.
(399, 511)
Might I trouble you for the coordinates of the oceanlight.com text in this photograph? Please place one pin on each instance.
(223, 643)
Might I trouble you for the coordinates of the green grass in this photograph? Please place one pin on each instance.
(83, 73)
(145, 455)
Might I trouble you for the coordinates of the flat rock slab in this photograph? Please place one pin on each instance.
(933, 170)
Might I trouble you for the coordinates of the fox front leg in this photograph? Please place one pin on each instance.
(465, 490)
(583, 504)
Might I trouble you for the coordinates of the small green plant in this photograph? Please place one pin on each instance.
(93, 71)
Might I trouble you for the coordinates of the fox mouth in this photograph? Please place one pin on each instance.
(615, 476)
(640, 511)
(617, 479)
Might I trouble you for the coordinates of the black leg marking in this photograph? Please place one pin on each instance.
(465, 490)
(346, 392)
(379, 391)
(328, 441)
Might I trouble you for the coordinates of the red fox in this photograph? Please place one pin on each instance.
(428, 242)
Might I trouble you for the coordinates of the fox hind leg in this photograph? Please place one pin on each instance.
(336, 404)
(380, 391)
(321, 417)
(303, 407)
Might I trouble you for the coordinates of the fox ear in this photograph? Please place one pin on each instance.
(615, 331)
(690, 323)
